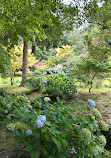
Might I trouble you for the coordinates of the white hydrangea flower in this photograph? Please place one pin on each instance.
(103, 126)
(11, 127)
(102, 140)
(86, 132)
(96, 113)
(98, 150)
(29, 106)
(46, 99)
(8, 106)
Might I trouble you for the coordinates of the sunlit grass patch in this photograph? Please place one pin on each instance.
(100, 90)
(8, 80)
(14, 88)
(35, 95)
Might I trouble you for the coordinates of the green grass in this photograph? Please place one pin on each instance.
(8, 80)
(6, 84)
(15, 89)
(98, 90)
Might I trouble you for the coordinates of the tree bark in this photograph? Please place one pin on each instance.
(11, 81)
(24, 64)
(90, 89)
(92, 82)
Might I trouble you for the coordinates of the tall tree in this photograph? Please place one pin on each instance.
(27, 18)
(16, 55)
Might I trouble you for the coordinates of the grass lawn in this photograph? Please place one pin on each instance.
(6, 84)
(95, 90)
(14, 88)
(8, 80)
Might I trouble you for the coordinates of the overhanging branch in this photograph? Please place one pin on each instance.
(97, 23)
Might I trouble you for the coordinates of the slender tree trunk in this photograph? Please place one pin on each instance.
(11, 81)
(92, 82)
(24, 64)
(33, 46)
(90, 89)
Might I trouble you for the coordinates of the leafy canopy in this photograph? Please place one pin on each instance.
(16, 59)
(4, 62)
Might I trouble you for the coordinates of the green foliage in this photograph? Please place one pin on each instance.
(53, 61)
(40, 54)
(16, 54)
(64, 53)
(60, 85)
(4, 62)
(98, 13)
(33, 82)
(75, 40)
(8, 103)
(67, 132)
(95, 64)
(41, 69)
(21, 19)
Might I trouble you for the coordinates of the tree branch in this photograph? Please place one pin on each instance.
(97, 23)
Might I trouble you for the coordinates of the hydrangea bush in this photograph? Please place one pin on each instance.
(34, 82)
(59, 131)
(10, 102)
(58, 84)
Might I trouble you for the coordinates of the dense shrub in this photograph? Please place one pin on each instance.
(40, 69)
(33, 82)
(53, 61)
(8, 103)
(58, 84)
(59, 131)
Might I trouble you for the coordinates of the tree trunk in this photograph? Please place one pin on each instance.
(24, 64)
(90, 89)
(92, 82)
(11, 81)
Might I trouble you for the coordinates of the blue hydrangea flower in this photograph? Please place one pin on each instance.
(15, 133)
(39, 123)
(91, 103)
(42, 118)
(45, 82)
(29, 132)
(40, 84)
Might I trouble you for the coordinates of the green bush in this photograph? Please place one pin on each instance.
(106, 84)
(53, 61)
(60, 85)
(34, 81)
(58, 131)
(8, 103)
